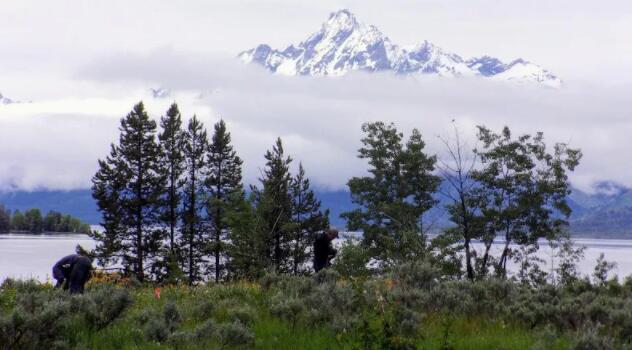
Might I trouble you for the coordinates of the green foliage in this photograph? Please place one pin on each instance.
(287, 214)
(523, 190)
(306, 220)
(18, 221)
(590, 339)
(33, 222)
(602, 269)
(274, 206)
(396, 194)
(352, 260)
(171, 169)
(40, 317)
(127, 189)
(102, 306)
(57, 222)
(249, 246)
(5, 219)
(234, 333)
(415, 306)
(194, 236)
(159, 327)
(224, 189)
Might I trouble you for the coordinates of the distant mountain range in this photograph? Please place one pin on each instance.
(606, 212)
(344, 44)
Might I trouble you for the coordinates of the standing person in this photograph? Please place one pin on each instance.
(323, 250)
(72, 272)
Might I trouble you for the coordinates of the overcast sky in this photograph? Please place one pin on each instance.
(84, 64)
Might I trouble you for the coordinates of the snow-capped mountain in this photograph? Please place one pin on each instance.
(5, 100)
(344, 44)
(160, 92)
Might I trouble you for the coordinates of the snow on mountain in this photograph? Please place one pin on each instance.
(5, 100)
(160, 92)
(344, 44)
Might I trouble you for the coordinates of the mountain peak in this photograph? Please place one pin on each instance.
(345, 44)
(342, 19)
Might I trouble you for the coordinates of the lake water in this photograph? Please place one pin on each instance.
(32, 256)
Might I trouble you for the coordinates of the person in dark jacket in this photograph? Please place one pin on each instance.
(72, 272)
(323, 250)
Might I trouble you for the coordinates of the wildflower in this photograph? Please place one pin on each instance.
(157, 292)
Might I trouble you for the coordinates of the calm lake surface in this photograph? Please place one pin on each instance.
(32, 256)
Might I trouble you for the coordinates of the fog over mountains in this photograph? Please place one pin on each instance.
(344, 44)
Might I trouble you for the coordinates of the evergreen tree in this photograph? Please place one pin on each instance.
(307, 219)
(108, 185)
(172, 168)
(223, 184)
(396, 194)
(248, 249)
(193, 233)
(5, 219)
(274, 206)
(127, 189)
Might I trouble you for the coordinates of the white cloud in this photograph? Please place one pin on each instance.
(85, 65)
(55, 143)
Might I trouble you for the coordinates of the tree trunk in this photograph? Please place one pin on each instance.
(218, 221)
(468, 260)
(172, 213)
(192, 215)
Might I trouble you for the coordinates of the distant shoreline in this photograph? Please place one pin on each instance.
(41, 233)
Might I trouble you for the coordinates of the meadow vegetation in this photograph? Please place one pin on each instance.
(412, 306)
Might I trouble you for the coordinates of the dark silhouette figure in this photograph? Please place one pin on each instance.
(323, 250)
(72, 272)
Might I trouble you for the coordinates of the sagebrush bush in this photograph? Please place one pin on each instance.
(38, 320)
(160, 326)
(102, 305)
(234, 333)
(590, 339)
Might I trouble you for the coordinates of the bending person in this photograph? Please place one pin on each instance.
(72, 272)
(323, 250)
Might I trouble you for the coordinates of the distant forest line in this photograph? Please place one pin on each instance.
(33, 221)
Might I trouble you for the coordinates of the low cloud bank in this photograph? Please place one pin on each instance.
(55, 144)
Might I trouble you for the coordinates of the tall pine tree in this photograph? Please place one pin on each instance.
(223, 185)
(127, 189)
(107, 187)
(274, 206)
(172, 168)
(307, 219)
(193, 232)
(248, 246)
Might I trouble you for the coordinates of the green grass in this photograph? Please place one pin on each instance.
(438, 331)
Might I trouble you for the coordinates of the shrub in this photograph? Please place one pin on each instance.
(38, 320)
(234, 333)
(352, 260)
(101, 306)
(417, 274)
(590, 339)
(159, 327)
